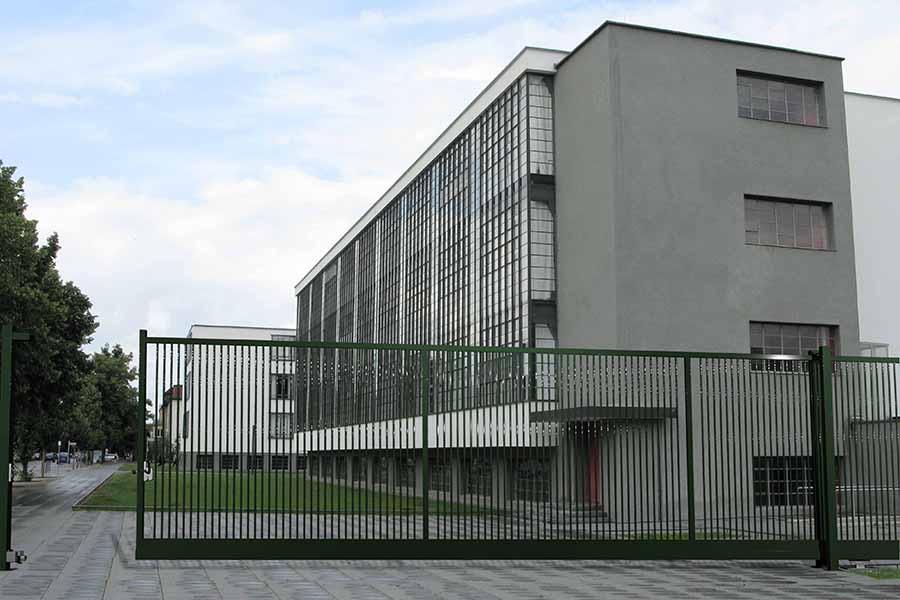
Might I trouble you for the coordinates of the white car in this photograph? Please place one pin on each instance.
(110, 457)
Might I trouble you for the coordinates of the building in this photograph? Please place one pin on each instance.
(649, 190)
(873, 137)
(243, 419)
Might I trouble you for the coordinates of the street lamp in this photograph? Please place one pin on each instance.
(58, 448)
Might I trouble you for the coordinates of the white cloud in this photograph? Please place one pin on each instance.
(230, 253)
(228, 249)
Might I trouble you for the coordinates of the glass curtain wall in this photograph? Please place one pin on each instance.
(454, 259)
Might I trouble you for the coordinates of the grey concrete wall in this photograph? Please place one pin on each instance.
(657, 113)
(585, 192)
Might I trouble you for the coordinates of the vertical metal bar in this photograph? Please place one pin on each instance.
(689, 448)
(142, 436)
(5, 456)
(424, 375)
(829, 556)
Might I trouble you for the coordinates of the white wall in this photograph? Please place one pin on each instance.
(873, 135)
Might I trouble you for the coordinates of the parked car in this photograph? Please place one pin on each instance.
(51, 456)
(62, 458)
(110, 457)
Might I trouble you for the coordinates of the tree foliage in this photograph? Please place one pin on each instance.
(49, 368)
(109, 388)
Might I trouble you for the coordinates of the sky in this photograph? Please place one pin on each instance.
(198, 158)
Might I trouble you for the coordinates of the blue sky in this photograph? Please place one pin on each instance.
(197, 158)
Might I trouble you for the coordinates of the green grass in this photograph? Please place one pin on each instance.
(880, 573)
(242, 491)
(128, 467)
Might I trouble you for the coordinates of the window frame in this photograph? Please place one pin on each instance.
(817, 86)
(794, 203)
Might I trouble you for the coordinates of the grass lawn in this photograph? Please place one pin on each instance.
(243, 491)
(880, 573)
(127, 467)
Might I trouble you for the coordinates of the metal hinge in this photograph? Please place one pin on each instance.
(10, 473)
(148, 472)
(16, 556)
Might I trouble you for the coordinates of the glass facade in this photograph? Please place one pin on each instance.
(457, 258)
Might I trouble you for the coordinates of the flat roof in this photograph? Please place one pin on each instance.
(255, 327)
(874, 96)
(528, 59)
(692, 35)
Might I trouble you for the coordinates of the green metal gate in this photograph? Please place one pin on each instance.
(280, 449)
(7, 336)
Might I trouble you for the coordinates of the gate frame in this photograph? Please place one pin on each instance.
(7, 336)
(826, 549)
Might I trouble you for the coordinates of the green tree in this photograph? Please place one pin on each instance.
(112, 375)
(47, 369)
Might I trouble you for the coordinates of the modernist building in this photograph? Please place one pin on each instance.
(649, 190)
(234, 409)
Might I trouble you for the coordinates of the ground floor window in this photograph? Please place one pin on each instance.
(340, 466)
(531, 479)
(782, 481)
(255, 462)
(479, 475)
(204, 461)
(231, 462)
(406, 471)
(380, 470)
(359, 468)
(301, 463)
(279, 462)
(441, 475)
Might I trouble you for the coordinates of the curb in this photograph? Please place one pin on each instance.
(77, 505)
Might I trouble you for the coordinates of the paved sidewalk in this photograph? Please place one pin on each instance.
(90, 555)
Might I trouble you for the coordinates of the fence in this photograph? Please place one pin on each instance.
(275, 449)
(7, 336)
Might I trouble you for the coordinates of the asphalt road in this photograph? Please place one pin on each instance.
(90, 556)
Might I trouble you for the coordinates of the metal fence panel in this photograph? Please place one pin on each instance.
(278, 449)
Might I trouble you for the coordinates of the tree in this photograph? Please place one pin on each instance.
(112, 375)
(49, 367)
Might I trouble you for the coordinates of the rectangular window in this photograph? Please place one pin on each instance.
(791, 338)
(282, 386)
(280, 425)
(204, 461)
(479, 477)
(787, 223)
(782, 481)
(231, 462)
(778, 99)
(301, 463)
(283, 353)
(255, 462)
(279, 462)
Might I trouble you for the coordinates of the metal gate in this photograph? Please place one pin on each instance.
(7, 336)
(280, 449)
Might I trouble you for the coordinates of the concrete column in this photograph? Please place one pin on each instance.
(419, 480)
(391, 470)
(499, 479)
(456, 488)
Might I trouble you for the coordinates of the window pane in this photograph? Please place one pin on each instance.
(766, 212)
(785, 218)
(819, 228)
(804, 234)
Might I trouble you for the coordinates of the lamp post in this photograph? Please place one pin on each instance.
(58, 449)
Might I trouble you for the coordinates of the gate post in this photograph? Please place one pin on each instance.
(424, 389)
(140, 454)
(823, 457)
(6, 459)
(689, 443)
(5, 435)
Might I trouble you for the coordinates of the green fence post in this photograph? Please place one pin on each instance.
(140, 457)
(689, 442)
(5, 430)
(424, 393)
(829, 558)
